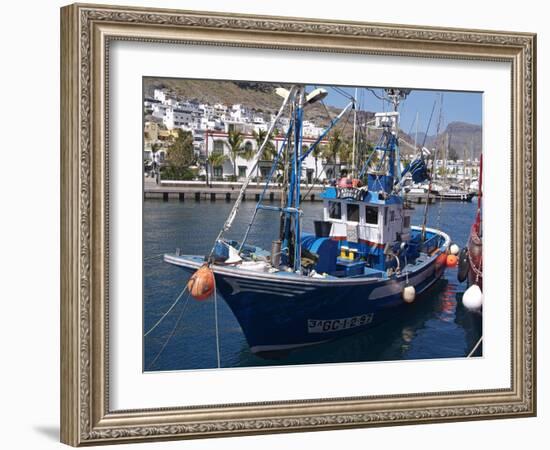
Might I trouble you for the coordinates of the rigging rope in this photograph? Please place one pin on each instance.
(324, 104)
(229, 221)
(153, 256)
(326, 164)
(475, 347)
(171, 333)
(376, 95)
(166, 313)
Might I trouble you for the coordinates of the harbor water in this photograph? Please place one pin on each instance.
(438, 326)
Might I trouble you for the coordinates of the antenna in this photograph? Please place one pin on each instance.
(396, 95)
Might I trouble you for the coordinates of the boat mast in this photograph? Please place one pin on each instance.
(434, 165)
(464, 170)
(416, 134)
(395, 96)
(291, 214)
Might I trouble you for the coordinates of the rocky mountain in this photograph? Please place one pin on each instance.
(460, 138)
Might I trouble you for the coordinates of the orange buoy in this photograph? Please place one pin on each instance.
(201, 283)
(441, 261)
(452, 260)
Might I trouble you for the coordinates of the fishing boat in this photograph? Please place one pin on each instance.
(363, 265)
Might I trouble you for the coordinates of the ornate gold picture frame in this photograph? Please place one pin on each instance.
(87, 31)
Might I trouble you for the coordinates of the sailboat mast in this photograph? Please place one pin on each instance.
(464, 170)
(416, 133)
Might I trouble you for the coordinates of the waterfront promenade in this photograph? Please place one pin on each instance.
(218, 190)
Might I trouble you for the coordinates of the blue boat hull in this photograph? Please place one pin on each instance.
(283, 317)
(286, 312)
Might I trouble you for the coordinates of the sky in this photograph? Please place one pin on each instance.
(457, 106)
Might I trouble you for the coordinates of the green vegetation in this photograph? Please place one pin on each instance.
(179, 156)
(235, 144)
(269, 151)
(215, 160)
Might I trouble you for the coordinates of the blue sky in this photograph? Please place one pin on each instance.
(457, 106)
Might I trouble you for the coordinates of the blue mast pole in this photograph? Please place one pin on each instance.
(298, 179)
(293, 197)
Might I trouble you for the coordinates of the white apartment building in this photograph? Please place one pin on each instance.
(160, 95)
(159, 110)
(177, 118)
(220, 109)
(207, 110)
(215, 142)
(208, 123)
(310, 129)
(240, 113)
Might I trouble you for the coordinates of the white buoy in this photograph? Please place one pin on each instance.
(409, 294)
(455, 249)
(473, 297)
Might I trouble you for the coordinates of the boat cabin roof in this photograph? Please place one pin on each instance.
(353, 195)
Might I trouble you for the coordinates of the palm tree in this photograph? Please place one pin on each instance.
(248, 152)
(155, 147)
(305, 148)
(235, 143)
(344, 154)
(215, 160)
(269, 150)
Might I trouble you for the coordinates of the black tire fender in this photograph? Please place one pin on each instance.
(463, 265)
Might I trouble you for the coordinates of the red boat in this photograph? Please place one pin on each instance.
(471, 257)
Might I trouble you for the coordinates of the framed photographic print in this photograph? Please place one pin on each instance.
(280, 224)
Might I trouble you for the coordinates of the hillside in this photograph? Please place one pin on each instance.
(463, 139)
(258, 96)
(262, 98)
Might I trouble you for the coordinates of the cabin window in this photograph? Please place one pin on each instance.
(371, 215)
(334, 210)
(406, 221)
(353, 212)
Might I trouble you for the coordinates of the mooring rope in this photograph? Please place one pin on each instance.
(153, 256)
(475, 347)
(171, 335)
(166, 313)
